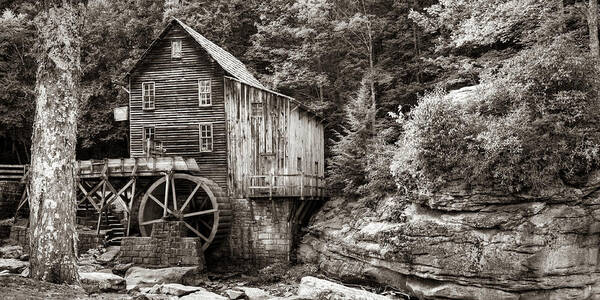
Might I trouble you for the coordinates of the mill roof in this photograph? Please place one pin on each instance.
(226, 60)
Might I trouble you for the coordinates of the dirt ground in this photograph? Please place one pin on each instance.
(17, 287)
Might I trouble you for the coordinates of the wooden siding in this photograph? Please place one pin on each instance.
(267, 133)
(177, 111)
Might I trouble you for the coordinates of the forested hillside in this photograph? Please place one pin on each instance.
(364, 65)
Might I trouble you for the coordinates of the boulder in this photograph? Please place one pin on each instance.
(89, 268)
(121, 269)
(234, 294)
(173, 289)
(177, 289)
(11, 251)
(12, 265)
(465, 244)
(157, 297)
(111, 253)
(102, 282)
(151, 290)
(142, 277)
(254, 293)
(315, 288)
(203, 295)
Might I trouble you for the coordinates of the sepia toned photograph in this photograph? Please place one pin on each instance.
(299, 150)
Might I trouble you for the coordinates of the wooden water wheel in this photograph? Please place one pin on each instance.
(198, 202)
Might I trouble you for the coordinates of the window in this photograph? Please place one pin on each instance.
(299, 164)
(316, 168)
(148, 95)
(206, 137)
(147, 138)
(204, 92)
(176, 49)
(257, 109)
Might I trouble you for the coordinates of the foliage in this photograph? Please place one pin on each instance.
(529, 124)
(467, 24)
(115, 34)
(229, 24)
(348, 164)
(17, 74)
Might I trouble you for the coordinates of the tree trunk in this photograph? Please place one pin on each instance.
(593, 26)
(53, 237)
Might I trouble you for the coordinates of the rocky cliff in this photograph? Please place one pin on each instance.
(466, 244)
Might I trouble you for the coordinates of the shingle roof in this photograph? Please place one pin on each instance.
(226, 60)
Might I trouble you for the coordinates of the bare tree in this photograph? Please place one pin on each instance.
(53, 236)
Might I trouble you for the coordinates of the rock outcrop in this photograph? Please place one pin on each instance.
(460, 244)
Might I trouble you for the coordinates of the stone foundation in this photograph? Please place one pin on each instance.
(90, 240)
(4, 231)
(260, 233)
(164, 248)
(10, 194)
(19, 234)
(87, 239)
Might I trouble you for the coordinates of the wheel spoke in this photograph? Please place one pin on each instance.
(166, 206)
(195, 231)
(152, 222)
(205, 224)
(159, 203)
(173, 193)
(199, 213)
(190, 197)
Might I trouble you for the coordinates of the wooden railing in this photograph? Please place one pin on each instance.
(12, 172)
(287, 185)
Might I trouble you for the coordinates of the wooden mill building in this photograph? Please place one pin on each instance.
(190, 98)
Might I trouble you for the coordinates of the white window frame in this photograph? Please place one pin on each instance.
(153, 102)
(144, 145)
(174, 53)
(201, 138)
(204, 94)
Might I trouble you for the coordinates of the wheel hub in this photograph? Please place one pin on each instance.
(178, 214)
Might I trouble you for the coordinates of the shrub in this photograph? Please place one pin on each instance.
(528, 125)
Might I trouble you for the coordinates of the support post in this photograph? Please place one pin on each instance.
(103, 197)
(134, 179)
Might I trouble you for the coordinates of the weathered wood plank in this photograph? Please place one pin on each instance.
(177, 111)
(268, 133)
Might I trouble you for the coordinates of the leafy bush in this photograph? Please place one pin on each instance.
(530, 124)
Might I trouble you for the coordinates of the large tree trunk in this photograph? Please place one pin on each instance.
(53, 237)
(593, 26)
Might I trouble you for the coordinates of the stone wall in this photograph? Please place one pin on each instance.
(90, 240)
(19, 234)
(260, 233)
(164, 248)
(87, 239)
(4, 231)
(10, 194)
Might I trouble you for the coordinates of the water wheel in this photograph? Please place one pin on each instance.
(199, 202)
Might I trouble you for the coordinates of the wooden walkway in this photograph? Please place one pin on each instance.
(306, 187)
